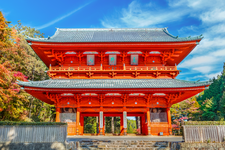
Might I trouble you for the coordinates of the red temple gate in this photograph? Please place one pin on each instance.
(113, 72)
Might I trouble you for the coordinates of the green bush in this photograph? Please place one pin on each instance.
(15, 123)
(204, 123)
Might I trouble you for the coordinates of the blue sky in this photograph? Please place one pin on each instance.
(182, 17)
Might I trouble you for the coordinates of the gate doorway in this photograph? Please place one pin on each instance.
(90, 125)
(136, 124)
(133, 125)
(112, 126)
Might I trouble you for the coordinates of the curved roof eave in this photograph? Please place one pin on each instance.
(112, 83)
(74, 35)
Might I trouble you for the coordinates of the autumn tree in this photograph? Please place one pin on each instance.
(4, 32)
(19, 62)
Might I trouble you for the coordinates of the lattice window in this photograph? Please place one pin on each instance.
(90, 60)
(134, 59)
(112, 59)
(159, 117)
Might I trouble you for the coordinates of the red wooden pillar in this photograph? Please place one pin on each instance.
(81, 124)
(78, 120)
(121, 125)
(148, 122)
(169, 121)
(57, 118)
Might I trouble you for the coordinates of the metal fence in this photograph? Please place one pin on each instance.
(203, 133)
(33, 134)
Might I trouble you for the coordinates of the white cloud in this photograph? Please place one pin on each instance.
(61, 18)
(208, 57)
(213, 75)
(139, 16)
(203, 69)
(198, 61)
(216, 15)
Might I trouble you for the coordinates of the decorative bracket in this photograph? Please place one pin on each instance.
(90, 74)
(148, 97)
(156, 74)
(173, 74)
(124, 98)
(59, 56)
(113, 74)
(51, 74)
(145, 55)
(79, 55)
(101, 55)
(136, 74)
(68, 74)
(167, 55)
(54, 98)
(172, 97)
(78, 98)
(101, 98)
(123, 55)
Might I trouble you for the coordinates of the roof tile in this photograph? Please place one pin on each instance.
(113, 83)
(114, 35)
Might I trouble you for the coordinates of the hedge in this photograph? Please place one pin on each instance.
(15, 123)
(204, 122)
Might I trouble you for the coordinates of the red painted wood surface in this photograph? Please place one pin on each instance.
(156, 60)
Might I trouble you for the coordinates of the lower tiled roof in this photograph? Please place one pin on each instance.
(112, 83)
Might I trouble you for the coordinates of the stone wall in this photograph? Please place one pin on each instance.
(202, 146)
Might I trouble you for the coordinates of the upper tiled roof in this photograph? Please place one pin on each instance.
(112, 83)
(114, 35)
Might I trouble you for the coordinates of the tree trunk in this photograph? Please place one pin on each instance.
(97, 126)
(31, 101)
(112, 125)
(136, 119)
(139, 124)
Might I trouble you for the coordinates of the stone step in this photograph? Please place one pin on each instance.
(120, 145)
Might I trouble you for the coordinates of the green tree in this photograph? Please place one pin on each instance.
(212, 100)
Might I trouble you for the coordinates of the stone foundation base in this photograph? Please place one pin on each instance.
(202, 146)
(117, 145)
(113, 145)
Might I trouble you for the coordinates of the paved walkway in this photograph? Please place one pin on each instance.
(137, 138)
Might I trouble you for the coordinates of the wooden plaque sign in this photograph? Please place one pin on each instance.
(134, 60)
(112, 59)
(90, 60)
